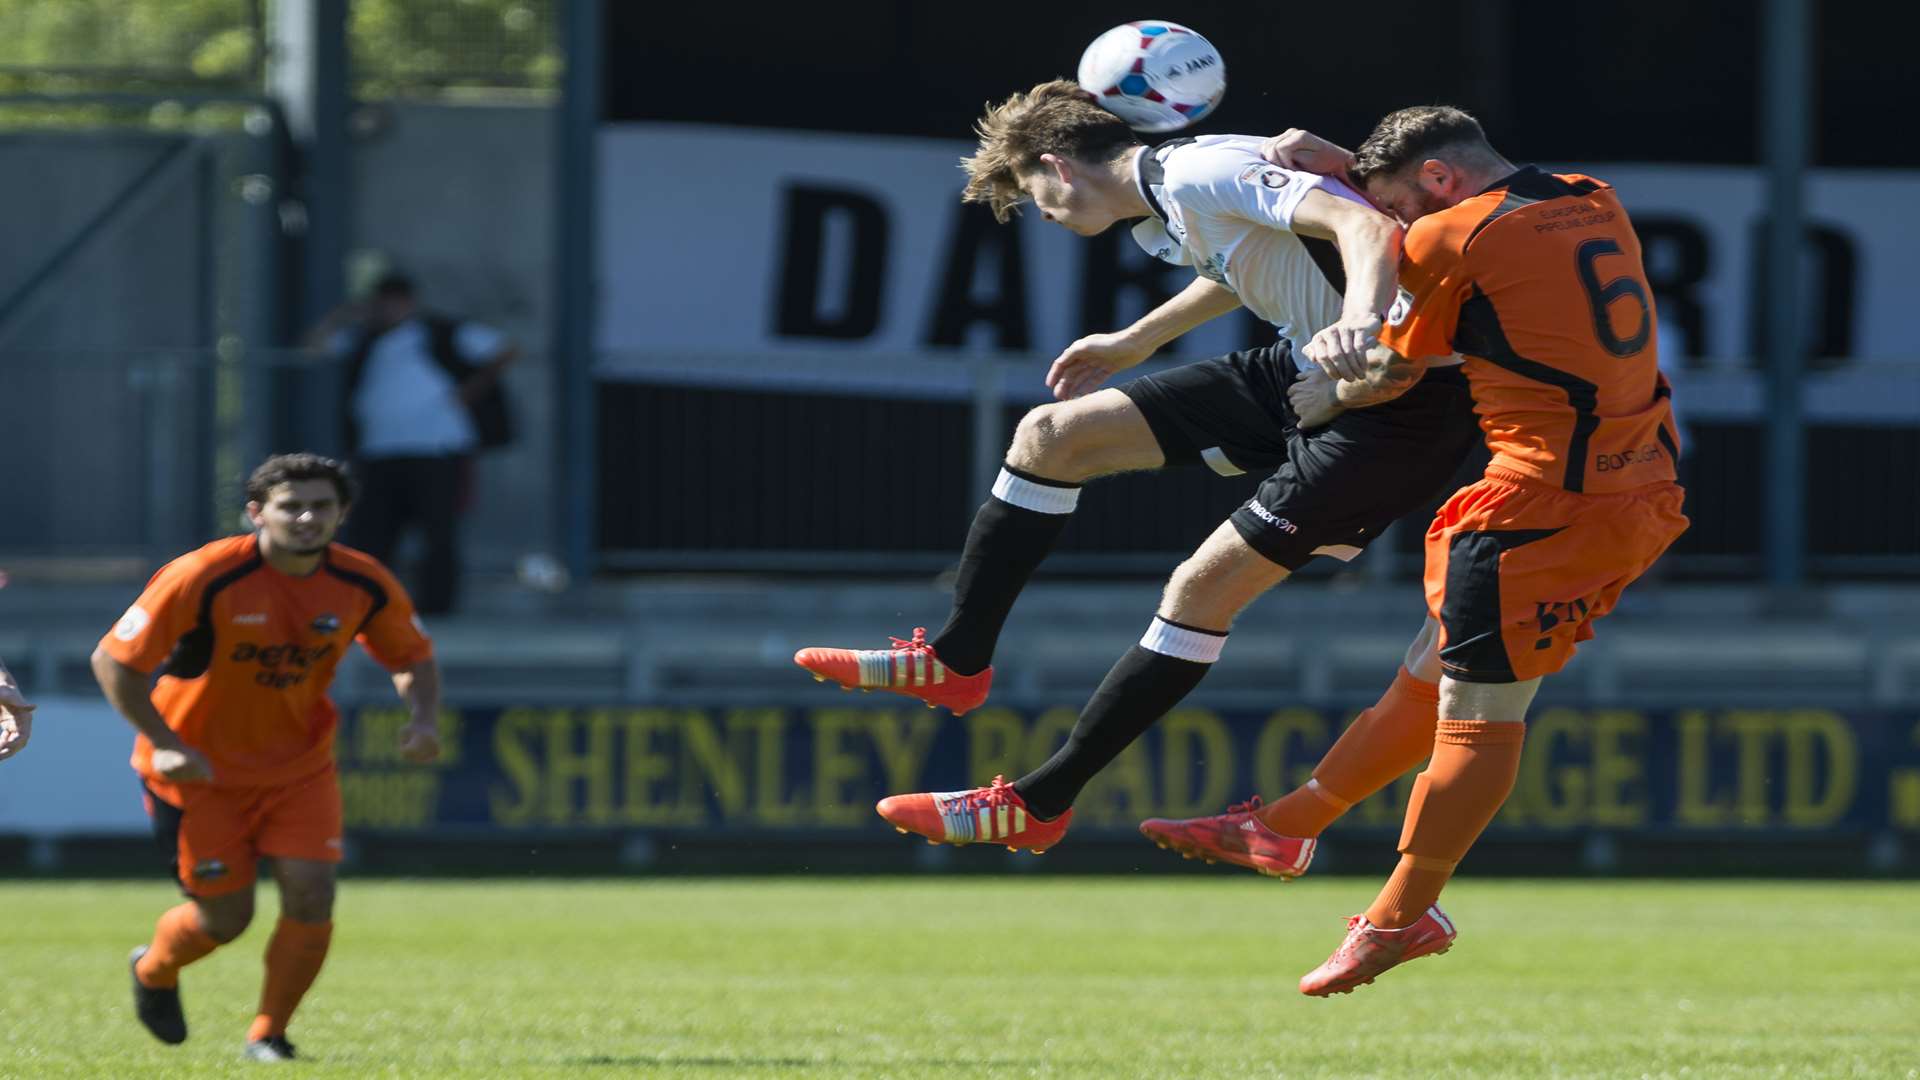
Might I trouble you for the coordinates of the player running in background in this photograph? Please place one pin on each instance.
(1536, 279)
(16, 715)
(1256, 235)
(235, 749)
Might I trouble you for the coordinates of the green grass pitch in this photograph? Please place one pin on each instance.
(1015, 977)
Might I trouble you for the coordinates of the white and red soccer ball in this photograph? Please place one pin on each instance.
(1156, 75)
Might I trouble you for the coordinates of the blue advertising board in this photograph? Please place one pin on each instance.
(692, 767)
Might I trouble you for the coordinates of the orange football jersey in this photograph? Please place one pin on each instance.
(246, 653)
(1538, 283)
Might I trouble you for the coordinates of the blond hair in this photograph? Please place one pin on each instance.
(1052, 118)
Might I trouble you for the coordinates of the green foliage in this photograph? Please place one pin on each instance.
(1190, 976)
(402, 45)
(152, 46)
(128, 43)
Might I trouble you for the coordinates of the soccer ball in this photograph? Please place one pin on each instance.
(1155, 75)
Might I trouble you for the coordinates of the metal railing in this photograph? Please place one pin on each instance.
(1873, 405)
(140, 454)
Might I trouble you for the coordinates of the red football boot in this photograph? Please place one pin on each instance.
(1369, 950)
(908, 668)
(990, 815)
(1237, 836)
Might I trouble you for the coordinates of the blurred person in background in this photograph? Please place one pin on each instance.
(235, 744)
(423, 397)
(16, 715)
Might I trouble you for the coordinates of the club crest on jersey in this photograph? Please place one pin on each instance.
(326, 624)
(1265, 175)
(1402, 307)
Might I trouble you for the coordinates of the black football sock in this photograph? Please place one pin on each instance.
(1012, 533)
(1147, 682)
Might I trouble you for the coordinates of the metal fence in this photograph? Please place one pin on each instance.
(862, 463)
(139, 454)
(748, 464)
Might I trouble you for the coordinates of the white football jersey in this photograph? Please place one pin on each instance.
(1223, 210)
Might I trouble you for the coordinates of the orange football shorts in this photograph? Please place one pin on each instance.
(1518, 571)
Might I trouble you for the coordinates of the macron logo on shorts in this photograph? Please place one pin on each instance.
(1272, 518)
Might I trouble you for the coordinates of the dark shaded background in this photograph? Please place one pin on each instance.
(1632, 80)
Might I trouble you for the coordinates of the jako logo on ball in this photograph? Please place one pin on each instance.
(1157, 76)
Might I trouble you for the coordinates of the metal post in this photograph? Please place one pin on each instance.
(574, 286)
(989, 429)
(1786, 93)
(309, 76)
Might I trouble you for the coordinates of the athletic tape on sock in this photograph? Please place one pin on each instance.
(1030, 495)
(1200, 646)
(1320, 792)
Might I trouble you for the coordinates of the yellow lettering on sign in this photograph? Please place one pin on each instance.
(646, 767)
(513, 803)
(996, 744)
(1620, 798)
(591, 768)
(376, 735)
(903, 744)
(766, 729)
(1181, 731)
(1546, 793)
(835, 766)
(1904, 793)
(450, 726)
(1752, 730)
(389, 798)
(1697, 806)
(1814, 735)
(1120, 794)
(1271, 773)
(712, 764)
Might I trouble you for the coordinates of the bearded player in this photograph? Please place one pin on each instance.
(1536, 279)
(1284, 243)
(235, 744)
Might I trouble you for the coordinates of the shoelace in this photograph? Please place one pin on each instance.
(1346, 946)
(1247, 807)
(915, 644)
(997, 794)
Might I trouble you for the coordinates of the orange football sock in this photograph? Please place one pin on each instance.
(178, 940)
(1378, 748)
(294, 957)
(1473, 768)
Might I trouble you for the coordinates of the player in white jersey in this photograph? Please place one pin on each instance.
(1280, 242)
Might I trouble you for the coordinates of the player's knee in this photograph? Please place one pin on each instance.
(1212, 586)
(1043, 442)
(227, 917)
(307, 901)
